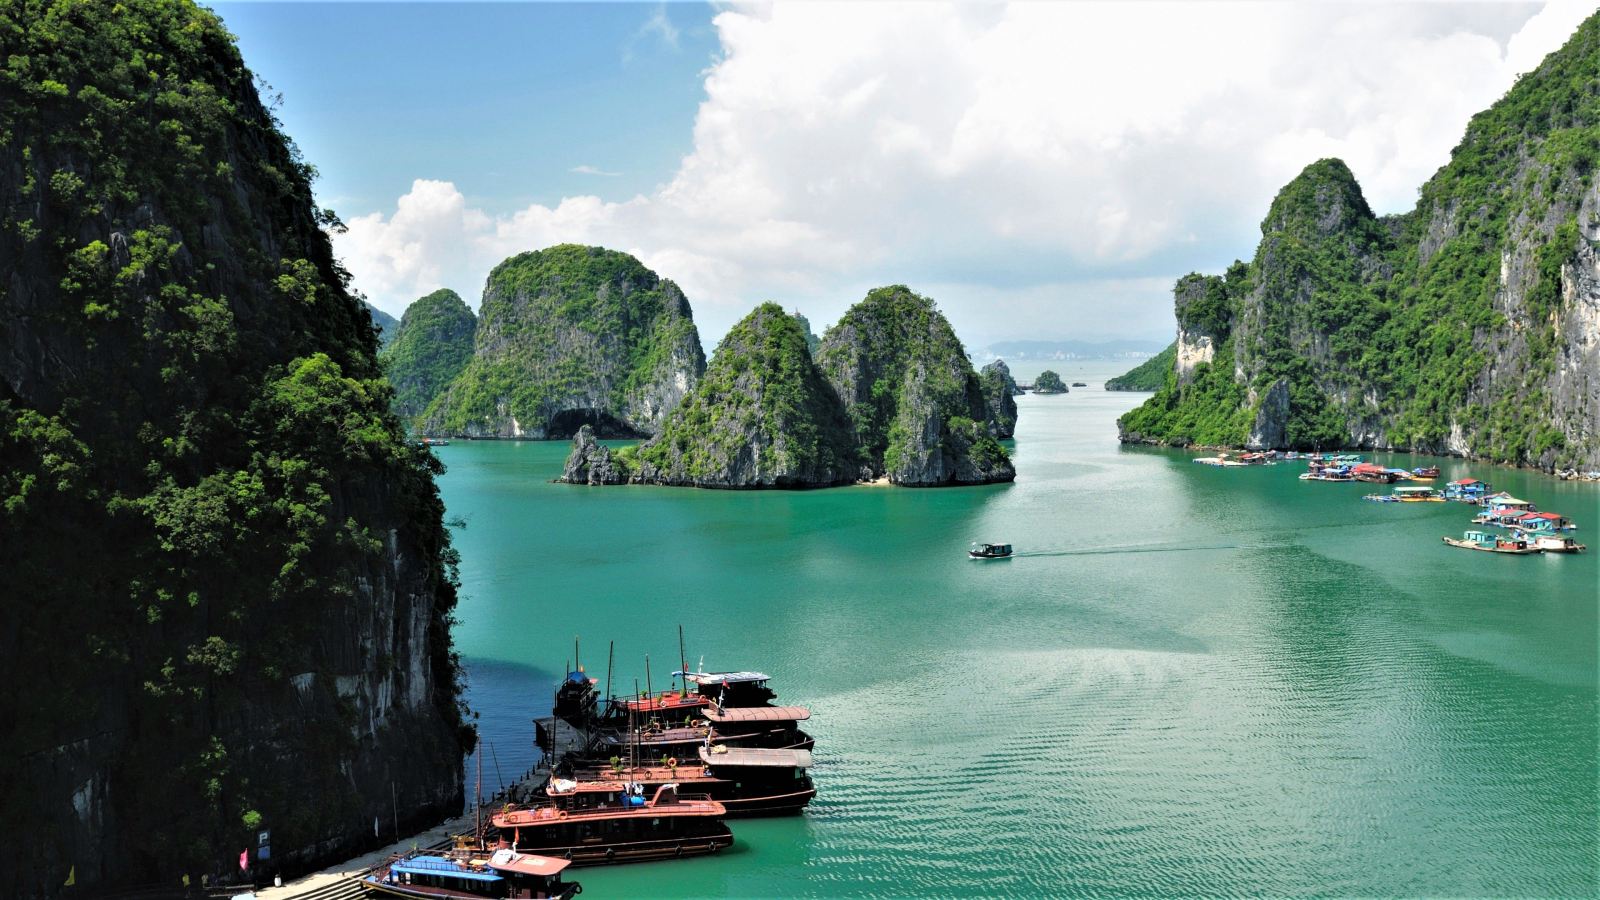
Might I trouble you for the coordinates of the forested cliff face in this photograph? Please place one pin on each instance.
(762, 417)
(1470, 326)
(568, 336)
(919, 411)
(431, 345)
(230, 588)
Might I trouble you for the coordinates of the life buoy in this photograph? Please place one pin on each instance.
(577, 888)
(672, 762)
(611, 854)
(679, 851)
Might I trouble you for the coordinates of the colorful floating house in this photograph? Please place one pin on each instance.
(1541, 523)
(1470, 489)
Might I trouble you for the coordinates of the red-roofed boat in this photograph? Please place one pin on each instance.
(503, 874)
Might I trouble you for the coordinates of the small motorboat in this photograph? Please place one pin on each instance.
(989, 551)
(1079, 384)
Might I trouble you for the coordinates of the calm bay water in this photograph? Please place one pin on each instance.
(1190, 681)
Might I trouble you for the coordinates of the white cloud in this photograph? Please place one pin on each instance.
(1062, 160)
(592, 170)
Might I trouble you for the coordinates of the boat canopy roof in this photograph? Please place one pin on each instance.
(1463, 482)
(526, 863)
(757, 756)
(722, 677)
(759, 714)
(1413, 489)
(1543, 515)
(441, 865)
(1509, 501)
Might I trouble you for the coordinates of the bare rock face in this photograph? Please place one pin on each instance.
(572, 335)
(590, 462)
(999, 391)
(1272, 419)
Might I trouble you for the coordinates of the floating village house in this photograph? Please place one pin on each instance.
(1466, 488)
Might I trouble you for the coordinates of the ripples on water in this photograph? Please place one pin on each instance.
(1190, 681)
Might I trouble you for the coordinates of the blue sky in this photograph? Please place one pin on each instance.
(1042, 170)
(503, 99)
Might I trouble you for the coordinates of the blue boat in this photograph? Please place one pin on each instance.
(504, 874)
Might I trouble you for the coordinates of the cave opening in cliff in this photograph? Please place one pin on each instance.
(566, 423)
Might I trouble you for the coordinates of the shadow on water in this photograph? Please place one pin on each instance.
(505, 698)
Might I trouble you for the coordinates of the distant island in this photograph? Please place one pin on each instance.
(1049, 382)
(1149, 375)
(889, 395)
(1464, 327)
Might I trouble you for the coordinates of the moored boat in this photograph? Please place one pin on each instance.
(502, 874)
(749, 781)
(1417, 494)
(1425, 473)
(596, 823)
(1558, 543)
(1491, 543)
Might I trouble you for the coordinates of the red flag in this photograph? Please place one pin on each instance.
(244, 860)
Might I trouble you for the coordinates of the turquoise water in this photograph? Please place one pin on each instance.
(1190, 681)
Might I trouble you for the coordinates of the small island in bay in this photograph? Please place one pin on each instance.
(891, 395)
(1049, 382)
(571, 335)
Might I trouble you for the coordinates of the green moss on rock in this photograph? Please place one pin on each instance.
(572, 335)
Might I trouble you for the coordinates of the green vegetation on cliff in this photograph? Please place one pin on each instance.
(1149, 375)
(1454, 328)
(205, 503)
(1049, 382)
(572, 334)
(1000, 392)
(917, 407)
(428, 350)
(762, 416)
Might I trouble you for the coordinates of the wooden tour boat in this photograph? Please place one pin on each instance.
(503, 874)
(989, 551)
(592, 823)
(1492, 543)
(749, 781)
(1425, 473)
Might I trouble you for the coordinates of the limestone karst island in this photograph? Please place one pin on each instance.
(691, 450)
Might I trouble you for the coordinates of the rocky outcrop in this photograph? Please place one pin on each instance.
(429, 349)
(1049, 382)
(569, 336)
(999, 391)
(1465, 327)
(891, 394)
(762, 417)
(238, 581)
(917, 407)
(590, 462)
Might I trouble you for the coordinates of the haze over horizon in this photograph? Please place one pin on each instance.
(1042, 171)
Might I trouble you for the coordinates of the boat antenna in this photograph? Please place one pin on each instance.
(683, 663)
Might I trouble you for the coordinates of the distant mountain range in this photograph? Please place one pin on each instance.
(1015, 350)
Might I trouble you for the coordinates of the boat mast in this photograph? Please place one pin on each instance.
(477, 800)
(611, 657)
(683, 665)
(648, 690)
